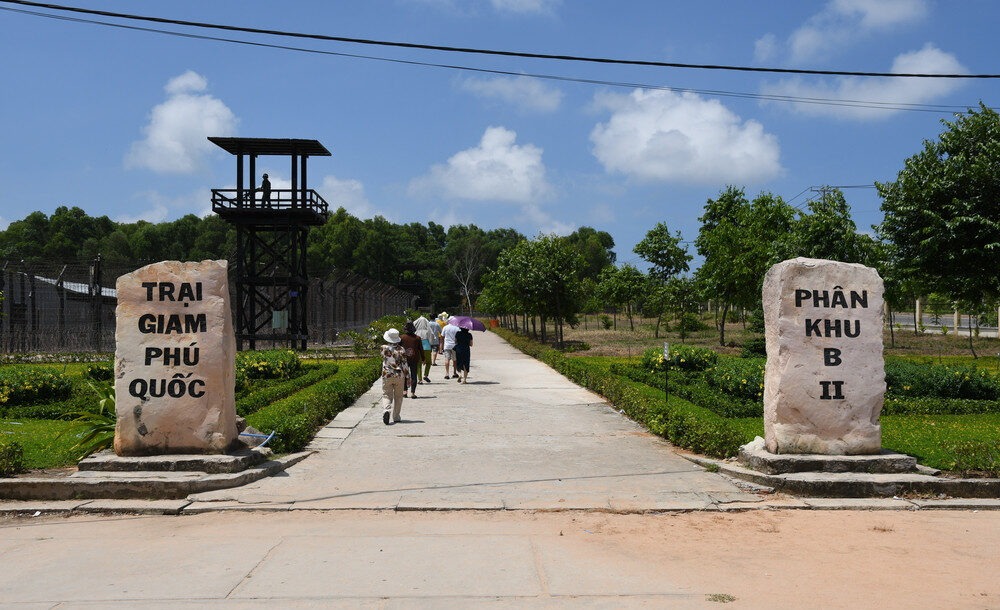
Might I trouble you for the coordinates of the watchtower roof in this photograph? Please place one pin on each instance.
(271, 146)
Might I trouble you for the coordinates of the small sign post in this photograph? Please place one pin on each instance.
(666, 370)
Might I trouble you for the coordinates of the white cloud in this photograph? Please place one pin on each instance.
(671, 137)
(874, 91)
(524, 92)
(348, 194)
(841, 22)
(765, 48)
(497, 169)
(4, 223)
(544, 7)
(175, 139)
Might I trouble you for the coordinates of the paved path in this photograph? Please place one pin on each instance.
(517, 436)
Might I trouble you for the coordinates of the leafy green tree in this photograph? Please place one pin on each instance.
(681, 298)
(737, 240)
(942, 213)
(623, 285)
(827, 231)
(666, 258)
(596, 247)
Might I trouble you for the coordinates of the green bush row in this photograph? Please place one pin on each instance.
(25, 384)
(11, 458)
(909, 378)
(264, 395)
(266, 364)
(682, 357)
(691, 389)
(932, 405)
(296, 418)
(738, 377)
(682, 423)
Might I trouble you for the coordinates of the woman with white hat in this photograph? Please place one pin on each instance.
(395, 375)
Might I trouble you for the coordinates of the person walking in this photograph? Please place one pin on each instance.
(414, 350)
(463, 354)
(440, 322)
(448, 347)
(395, 374)
(428, 342)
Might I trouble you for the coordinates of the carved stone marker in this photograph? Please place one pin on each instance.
(174, 360)
(825, 377)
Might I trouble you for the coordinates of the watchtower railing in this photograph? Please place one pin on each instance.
(229, 200)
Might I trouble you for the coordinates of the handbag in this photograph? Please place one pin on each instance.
(426, 344)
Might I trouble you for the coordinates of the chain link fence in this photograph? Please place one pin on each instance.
(70, 307)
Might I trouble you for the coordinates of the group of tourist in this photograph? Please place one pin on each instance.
(407, 359)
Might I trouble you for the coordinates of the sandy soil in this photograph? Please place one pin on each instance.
(755, 559)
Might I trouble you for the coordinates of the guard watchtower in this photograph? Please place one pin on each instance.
(272, 225)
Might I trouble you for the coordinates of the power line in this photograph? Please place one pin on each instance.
(478, 51)
(876, 105)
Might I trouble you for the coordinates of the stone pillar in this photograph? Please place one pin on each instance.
(918, 316)
(956, 321)
(174, 360)
(825, 376)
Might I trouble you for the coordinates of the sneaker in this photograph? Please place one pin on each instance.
(427, 379)
(385, 418)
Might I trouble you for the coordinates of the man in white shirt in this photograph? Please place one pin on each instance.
(448, 347)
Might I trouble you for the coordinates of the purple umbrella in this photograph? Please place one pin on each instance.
(466, 322)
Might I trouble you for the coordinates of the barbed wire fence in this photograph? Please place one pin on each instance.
(50, 306)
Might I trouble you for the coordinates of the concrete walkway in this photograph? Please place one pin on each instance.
(520, 438)
(517, 436)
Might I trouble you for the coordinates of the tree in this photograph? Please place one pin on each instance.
(828, 231)
(540, 277)
(622, 286)
(666, 257)
(738, 242)
(596, 247)
(681, 298)
(942, 213)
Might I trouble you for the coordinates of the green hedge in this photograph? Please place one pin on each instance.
(11, 458)
(693, 390)
(908, 378)
(271, 392)
(24, 385)
(296, 418)
(682, 423)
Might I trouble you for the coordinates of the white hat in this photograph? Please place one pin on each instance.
(391, 335)
(443, 315)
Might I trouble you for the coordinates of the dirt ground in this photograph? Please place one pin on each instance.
(754, 559)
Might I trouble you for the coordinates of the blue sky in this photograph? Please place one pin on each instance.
(115, 121)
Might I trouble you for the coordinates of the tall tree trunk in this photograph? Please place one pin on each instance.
(971, 346)
(722, 324)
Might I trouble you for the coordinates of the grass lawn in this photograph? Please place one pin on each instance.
(967, 444)
(47, 443)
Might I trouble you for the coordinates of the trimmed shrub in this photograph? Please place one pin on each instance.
(908, 378)
(682, 357)
(23, 385)
(261, 397)
(755, 347)
(932, 405)
(99, 371)
(693, 389)
(296, 418)
(737, 377)
(11, 458)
